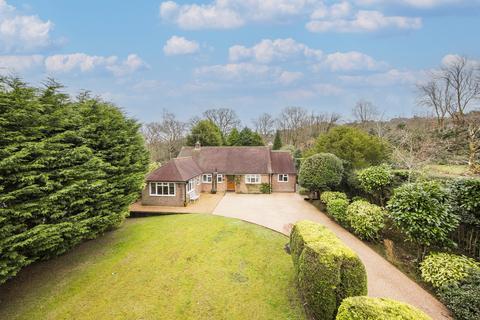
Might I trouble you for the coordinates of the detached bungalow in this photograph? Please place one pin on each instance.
(219, 169)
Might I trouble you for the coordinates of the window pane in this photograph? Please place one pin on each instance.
(159, 188)
(153, 189)
(172, 188)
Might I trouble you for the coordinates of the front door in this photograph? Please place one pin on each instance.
(230, 183)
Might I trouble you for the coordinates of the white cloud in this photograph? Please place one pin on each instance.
(22, 32)
(337, 10)
(64, 63)
(179, 45)
(364, 21)
(288, 77)
(268, 50)
(9, 64)
(350, 61)
(385, 79)
(225, 14)
(422, 4)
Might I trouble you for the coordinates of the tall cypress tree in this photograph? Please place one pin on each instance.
(277, 142)
(68, 171)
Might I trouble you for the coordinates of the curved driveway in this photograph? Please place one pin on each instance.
(280, 211)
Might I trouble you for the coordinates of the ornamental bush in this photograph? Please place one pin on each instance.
(327, 271)
(328, 196)
(465, 200)
(376, 180)
(321, 171)
(69, 169)
(366, 219)
(421, 211)
(463, 298)
(441, 269)
(337, 208)
(367, 308)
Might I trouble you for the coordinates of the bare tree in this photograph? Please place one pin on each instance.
(364, 111)
(290, 122)
(264, 125)
(226, 119)
(462, 77)
(165, 138)
(436, 94)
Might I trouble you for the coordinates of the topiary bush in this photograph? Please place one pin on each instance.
(376, 180)
(328, 196)
(441, 269)
(265, 188)
(422, 212)
(337, 208)
(327, 271)
(465, 200)
(367, 308)
(366, 219)
(321, 171)
(463, 298)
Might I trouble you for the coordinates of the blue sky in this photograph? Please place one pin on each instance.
(250, 55)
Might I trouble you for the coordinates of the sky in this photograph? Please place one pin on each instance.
(253, 56)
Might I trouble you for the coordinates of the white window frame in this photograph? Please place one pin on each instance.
(197, 180)
(161, 185)
(206, 178)
(253, 179)
(220, 178)
(281, 176)
(190, 185)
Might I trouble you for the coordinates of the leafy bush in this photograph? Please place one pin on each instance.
(327, 271)
(465, 200)
(354, 145)
(320, 172)
(375, 180)
(366, 219)
(337, 208)
(421, 211)
(366, 308)
(206, 132)
(265, 188)
(463, 298)
(441, 269)
(328, 196)
(303, 191)
(68, 171)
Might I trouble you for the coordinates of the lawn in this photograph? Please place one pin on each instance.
(169, 267)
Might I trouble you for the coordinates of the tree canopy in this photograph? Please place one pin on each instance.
(246, 137)
(320, 172)
(277, 142)
(353, 145)
(205, 132)
(68, 171)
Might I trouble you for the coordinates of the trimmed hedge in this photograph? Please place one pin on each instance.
(366, 219)
(328, 196)
(366, 308)
(327, 271)
(441, 269)
(465, 200)
(337, 208)
(321, 171)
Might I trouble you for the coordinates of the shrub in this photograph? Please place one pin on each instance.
(354, 145)
(328, 196)
(375, 180)
(265, 188)
(366, 308)
(327, 271)
(465, 200)
(366, 219)
(337, 208)
(421, 211)
(303, 191)
(463, 299)
(441, 269)
(320, 172)
(68, 171)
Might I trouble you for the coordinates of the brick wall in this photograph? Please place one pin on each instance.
(288, 186)
(173, 201)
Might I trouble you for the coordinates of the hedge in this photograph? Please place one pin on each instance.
(328, 196)
(367, 308)
(337, 208)
(366, 219)
(69, 169)
(322, 171)
(327, 271)
(465, 200)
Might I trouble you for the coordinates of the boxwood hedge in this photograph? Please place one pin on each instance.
(363, 308)
(327, 271)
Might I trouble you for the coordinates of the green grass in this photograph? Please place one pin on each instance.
(447, 170)
(168, 267)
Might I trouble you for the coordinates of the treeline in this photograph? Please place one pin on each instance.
(69, 169)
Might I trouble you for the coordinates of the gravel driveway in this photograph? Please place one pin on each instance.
(280, 210)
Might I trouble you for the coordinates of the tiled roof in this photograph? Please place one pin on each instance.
(282, 162)
(178, 169)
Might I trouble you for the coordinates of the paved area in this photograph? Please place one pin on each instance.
(280, 211)
(205, 204)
